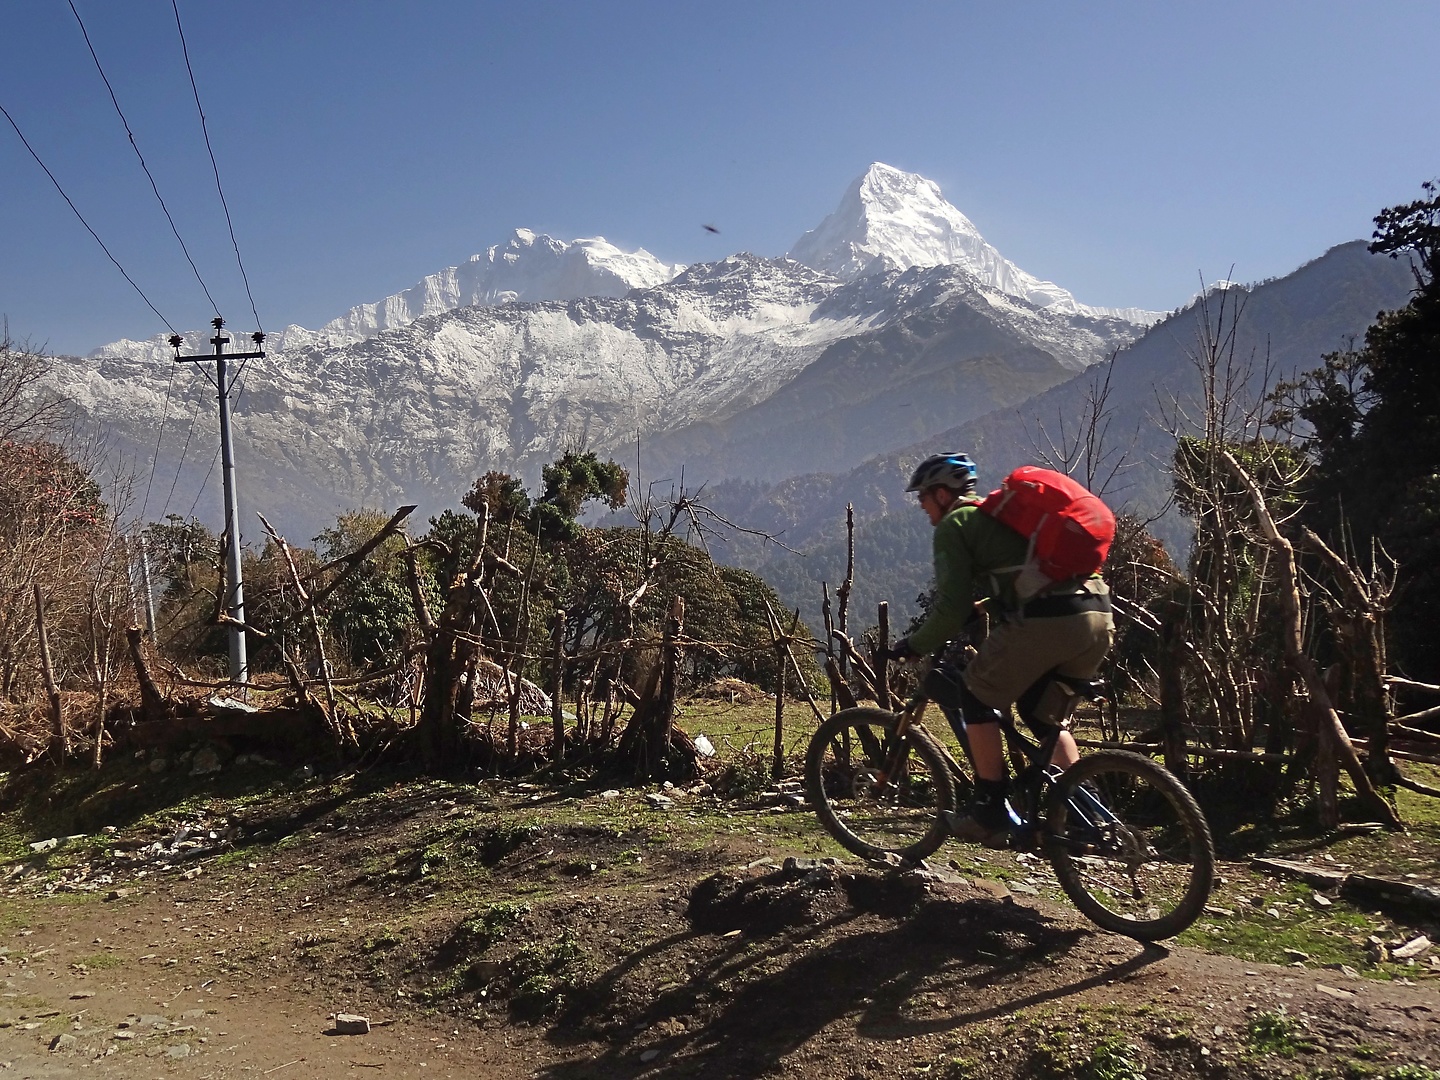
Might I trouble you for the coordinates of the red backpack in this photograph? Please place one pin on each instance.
(1069, 529)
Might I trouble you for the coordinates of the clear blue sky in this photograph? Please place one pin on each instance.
(1119, 149)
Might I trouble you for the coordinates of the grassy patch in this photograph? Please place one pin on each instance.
(1112, 1059)
(1276, 1034)
(500, 840)
(100, 961)
(1088, 1050)
(1062, 1053)
(1276, 922)
(543, 973)
(478, 932)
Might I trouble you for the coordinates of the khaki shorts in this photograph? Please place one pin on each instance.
(1016, 654)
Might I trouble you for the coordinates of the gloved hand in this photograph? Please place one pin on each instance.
(901, 651)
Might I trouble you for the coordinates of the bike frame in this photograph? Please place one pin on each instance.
(1128, 843)
(1032, 782)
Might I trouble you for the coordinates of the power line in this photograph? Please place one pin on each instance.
(159, 434)
(204, 483)
(134, 146)
(180, 464)
(214, 165)
(81, 216)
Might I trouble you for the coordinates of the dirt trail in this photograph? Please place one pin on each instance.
(832, 973)
(141, 993)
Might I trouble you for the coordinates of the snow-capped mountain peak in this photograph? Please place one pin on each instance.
(529, 266)
(889, 219)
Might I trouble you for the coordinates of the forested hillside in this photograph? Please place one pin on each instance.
(1276, 328)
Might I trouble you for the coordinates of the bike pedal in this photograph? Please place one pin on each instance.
(1024, 840)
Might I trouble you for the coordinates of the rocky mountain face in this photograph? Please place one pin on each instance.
(924, 349)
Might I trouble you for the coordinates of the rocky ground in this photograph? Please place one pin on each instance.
(510, 930)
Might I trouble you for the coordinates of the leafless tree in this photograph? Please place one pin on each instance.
(1231, 583)
(1083, 444)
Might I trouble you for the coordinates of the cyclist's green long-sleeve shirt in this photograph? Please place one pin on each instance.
(968, 547)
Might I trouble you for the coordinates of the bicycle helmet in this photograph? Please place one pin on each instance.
(954, 471)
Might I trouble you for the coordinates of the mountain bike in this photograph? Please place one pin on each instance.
(1128, 843)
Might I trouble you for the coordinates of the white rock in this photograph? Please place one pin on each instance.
(1412, 948)
(351, 1024)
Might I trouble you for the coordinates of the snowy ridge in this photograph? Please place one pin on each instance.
(420, 410)
(894, 220)
(527, 267)
(539, 344)
(887, 220)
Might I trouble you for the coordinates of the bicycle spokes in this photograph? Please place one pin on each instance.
(1129, 845)
(876, 792)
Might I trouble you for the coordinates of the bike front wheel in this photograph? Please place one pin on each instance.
(1130, 846)
(878, 794)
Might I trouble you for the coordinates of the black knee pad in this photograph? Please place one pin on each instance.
(1045, 705)
(975, 710)
(943, 685)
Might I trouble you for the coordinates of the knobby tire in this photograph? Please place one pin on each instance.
(908, 816)
(1147, 870)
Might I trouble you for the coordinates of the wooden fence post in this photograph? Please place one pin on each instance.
(1174, 714)
(842, 594)
(882, 662)
(782, 654)
(59, 744)
(557, 709)
(1327, 771)
(670, 663)
(152, 703)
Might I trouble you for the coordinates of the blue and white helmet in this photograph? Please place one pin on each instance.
(954, 471)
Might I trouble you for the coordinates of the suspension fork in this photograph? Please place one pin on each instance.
(895, 760)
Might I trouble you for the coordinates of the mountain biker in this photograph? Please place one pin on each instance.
(1064, 631)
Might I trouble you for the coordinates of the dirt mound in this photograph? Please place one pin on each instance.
(937, 906)
(735, 691)
(760, 899)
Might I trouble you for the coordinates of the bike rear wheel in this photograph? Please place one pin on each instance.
(1130, 846)
(875, 794)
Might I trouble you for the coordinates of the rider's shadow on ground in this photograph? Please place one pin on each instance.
(744, 1004)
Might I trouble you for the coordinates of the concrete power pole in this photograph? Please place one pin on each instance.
(234, 605)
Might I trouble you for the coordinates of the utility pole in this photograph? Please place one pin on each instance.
(234, 604)
(145, 585)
